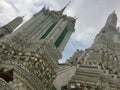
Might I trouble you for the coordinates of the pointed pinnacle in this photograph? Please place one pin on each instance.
(24, 15)
(77, 18)
(113, 11)
(65, 7)
(68, 4)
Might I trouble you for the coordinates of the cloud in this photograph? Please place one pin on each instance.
(6, 12)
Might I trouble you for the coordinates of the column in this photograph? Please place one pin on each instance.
(41, 30)
(51, 35)
(58, 30)
(37, 27)
(65, 40)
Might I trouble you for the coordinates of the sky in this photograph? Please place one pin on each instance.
(92, 17)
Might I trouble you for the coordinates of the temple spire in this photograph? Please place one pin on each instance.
(11, 26)
(62, 10)
(112, 20)
(14, 24)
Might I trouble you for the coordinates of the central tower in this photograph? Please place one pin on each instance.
(49, 30)
(33, 50)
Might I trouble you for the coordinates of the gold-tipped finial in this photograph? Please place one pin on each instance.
(65, 7)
